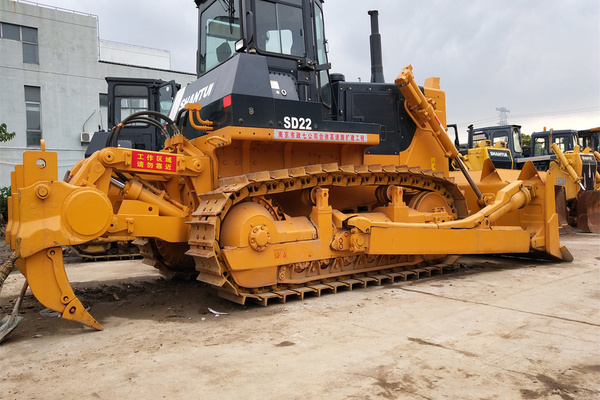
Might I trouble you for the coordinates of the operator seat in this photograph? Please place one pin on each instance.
(223, 52)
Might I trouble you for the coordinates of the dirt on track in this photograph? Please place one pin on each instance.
(495, 328)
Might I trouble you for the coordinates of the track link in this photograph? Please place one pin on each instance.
(112, 253)
(348, 283)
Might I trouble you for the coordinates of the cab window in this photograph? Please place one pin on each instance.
(517, 140)
(130, 100)
(166, 94)
(565, 143)
(324, 85)
(540, 146)
(279, 28)
(500, 137)
(220, 25)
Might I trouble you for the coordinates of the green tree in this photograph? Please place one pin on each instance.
(5, 135)
(4, 193)
(525, 139)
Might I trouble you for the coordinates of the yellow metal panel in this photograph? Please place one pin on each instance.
(447, 241)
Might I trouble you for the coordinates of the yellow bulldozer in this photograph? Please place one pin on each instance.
(571, 156)
(278, 178)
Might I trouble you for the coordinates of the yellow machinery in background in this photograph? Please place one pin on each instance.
(574, 171)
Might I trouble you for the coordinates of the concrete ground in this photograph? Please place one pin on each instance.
(494, 329)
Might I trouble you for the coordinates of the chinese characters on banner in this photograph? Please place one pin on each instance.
(153, 161)
(321, 136)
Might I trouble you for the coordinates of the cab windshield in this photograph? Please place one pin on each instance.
(565, 142)
(220, 30)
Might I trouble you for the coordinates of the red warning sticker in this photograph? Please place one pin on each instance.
(153, 161)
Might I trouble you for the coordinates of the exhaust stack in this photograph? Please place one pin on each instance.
(376, 52)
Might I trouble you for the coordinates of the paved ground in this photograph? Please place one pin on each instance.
(495, 329)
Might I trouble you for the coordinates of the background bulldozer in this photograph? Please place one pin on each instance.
(278, 178)
(571, 156)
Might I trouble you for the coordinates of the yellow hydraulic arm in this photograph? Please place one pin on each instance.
(566, 165)
(423, 114)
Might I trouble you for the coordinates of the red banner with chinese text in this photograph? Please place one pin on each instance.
(153, 161)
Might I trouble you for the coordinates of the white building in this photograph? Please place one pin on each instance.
(52, 79)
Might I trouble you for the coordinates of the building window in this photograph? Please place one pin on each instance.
(30, 45)
(103, 100)
(33, 114)
(11, 32)
(27, 36)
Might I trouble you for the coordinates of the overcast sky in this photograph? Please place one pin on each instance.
(540, 59)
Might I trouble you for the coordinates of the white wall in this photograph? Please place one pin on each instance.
(70, 76)
(123, 53)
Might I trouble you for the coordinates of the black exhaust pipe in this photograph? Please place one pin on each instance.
(376, 52)
(470, 142)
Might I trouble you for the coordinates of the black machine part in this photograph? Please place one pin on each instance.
(127, 96)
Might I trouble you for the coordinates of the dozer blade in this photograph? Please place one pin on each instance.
(48, 281)
(588, 211)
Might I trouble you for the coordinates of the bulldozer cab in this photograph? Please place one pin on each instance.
(509, 134)
(127, 96)
(130, 95)
(541, 142)
(501, 144)
(565, 139)
(590, 138)
(285, 32)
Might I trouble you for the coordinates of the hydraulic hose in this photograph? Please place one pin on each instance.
(422, 113)
(141, 117)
